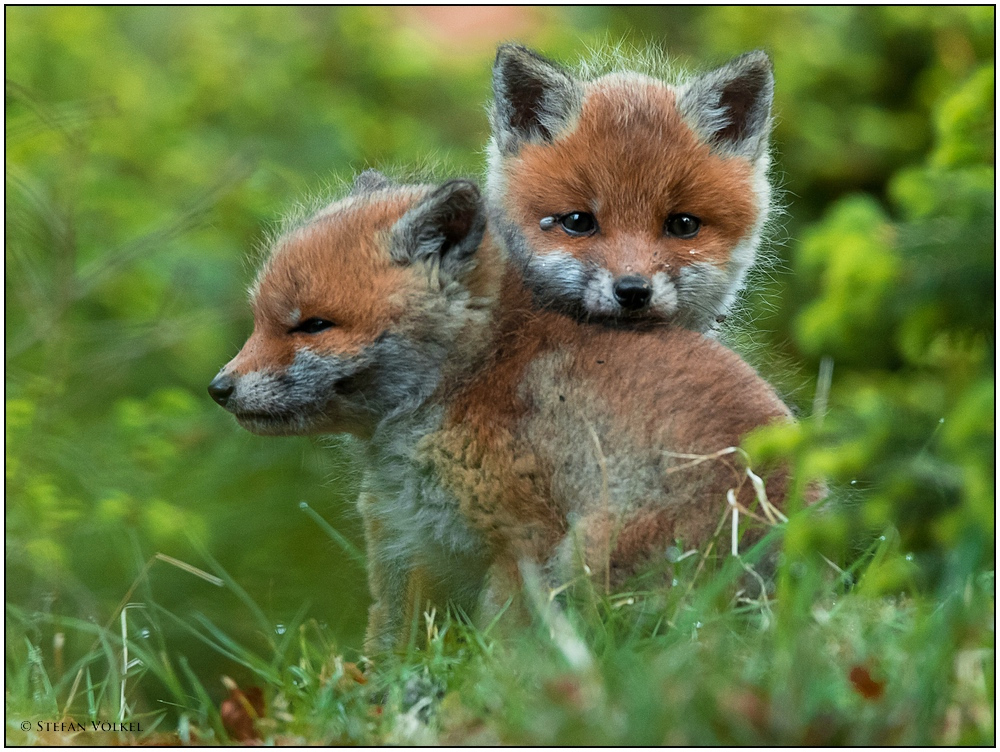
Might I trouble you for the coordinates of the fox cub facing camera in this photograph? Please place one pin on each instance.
(495, 433)
(628, 199)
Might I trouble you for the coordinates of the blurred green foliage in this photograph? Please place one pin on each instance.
(149, 149)
(903, 300)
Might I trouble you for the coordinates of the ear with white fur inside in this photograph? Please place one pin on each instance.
(730, 107)
(533, 98)
(446, 227)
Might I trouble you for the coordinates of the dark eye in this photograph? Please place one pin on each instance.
(578, 223)
(311, 326)
(682, 225)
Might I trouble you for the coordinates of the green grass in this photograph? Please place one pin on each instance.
(818, 661)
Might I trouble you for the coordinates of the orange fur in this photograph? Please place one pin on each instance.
(632, 161)
(629, 198)
(640, 391)
(498, 433)
(339, 246)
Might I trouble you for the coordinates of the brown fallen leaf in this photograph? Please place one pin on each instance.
(565, 691)
(240, 710)
(750, 704)
(351, 671)
(864, 684)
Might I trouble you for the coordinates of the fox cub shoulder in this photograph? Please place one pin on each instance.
(496, 433)
(628, 198)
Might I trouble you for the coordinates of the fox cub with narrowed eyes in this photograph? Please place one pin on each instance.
(495, 433)
(627, 199)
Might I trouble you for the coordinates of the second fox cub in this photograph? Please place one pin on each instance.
(625, 198)
(496, 433)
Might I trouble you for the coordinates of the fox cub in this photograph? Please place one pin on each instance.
(625, 198)
(495, 433)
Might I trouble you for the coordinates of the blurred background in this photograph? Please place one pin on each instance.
(149, 150)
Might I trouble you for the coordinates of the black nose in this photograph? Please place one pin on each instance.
(633, 292)
(221, 388)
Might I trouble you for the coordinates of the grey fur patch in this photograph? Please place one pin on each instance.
(562, 274)
(370, 181)
(330, 393)
(303, 399)
(730, 107)
(703, 291)
(446, 227)
(419, 523)
(664, 302)
(599, 295)
(632, 475)
(533, 98)
(556, 280)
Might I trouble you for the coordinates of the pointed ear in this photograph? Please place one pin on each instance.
(368, 181)
(730, 108)
(447, 226)
(533, 98)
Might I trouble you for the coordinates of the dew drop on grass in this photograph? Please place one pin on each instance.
(279, 628)
(908, 557)
(144, 634)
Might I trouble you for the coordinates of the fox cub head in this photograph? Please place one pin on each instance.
(357, 310)
(627, 198)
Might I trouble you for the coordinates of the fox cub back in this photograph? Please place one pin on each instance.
(628, 198)
(496, 433)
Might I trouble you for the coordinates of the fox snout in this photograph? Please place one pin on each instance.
(633, 292)
(221, 388)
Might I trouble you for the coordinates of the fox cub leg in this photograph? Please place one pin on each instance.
(609, 548)
(501, 602)
(397, 585)
(384, 583)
